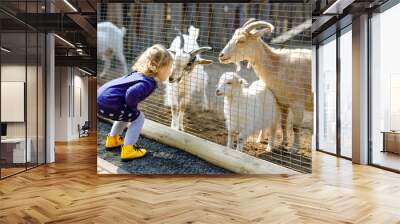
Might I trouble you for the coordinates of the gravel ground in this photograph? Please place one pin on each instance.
(161, 159)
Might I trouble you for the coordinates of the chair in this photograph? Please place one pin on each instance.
(84, 130)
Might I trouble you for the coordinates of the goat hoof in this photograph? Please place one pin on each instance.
(294, 150)
(283, 148)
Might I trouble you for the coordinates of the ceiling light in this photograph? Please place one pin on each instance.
(79, 51)
(65, 41)
(5, 49)
(331, 7)
(337, 7)
(84, 71)
(70, 5)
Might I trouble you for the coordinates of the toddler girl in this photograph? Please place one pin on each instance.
(118, 99)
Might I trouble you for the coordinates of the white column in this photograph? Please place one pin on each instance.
(50, 94)
(360, 90)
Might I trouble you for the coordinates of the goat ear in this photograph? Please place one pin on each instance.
(193, 32)
(172, 51)
(260, 33)
(203, 62)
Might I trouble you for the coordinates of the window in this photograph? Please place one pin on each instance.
(346, 75)
(385, 89)
(329, 112)
(327, 96)
(22, 101)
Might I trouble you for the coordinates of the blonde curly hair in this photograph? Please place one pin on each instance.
(152, 60)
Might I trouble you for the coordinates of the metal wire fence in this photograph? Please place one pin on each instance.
(214, 25)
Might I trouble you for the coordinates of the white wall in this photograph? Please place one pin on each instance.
(69, 81)
(14, 73)
(79, 91)
(33, 127)
(61, 103)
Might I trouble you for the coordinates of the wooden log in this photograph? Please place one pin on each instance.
(216, 154)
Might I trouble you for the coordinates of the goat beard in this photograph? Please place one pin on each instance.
(248, 65)
(238, 67)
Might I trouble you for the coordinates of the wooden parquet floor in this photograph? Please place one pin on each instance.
(70, 191)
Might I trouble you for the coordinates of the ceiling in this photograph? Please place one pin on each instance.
(72, 20)
(331, 15)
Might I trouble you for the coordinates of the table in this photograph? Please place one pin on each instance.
(391, 141)
(17, 149)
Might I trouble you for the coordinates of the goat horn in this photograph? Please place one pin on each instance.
(199, 50)
(258, 24)
(248, 22)
(181, 38)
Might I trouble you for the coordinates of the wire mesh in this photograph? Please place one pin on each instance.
(146, 24)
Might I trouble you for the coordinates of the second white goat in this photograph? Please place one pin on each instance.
(247, 111)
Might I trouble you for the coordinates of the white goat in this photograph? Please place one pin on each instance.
(286, 72)
(110, 42)
(189, 41)
(188, 76)
(247, 111)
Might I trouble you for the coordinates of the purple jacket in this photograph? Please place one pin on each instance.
(125, 93)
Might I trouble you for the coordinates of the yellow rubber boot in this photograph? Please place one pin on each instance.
(130, 152)
(113, 142)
